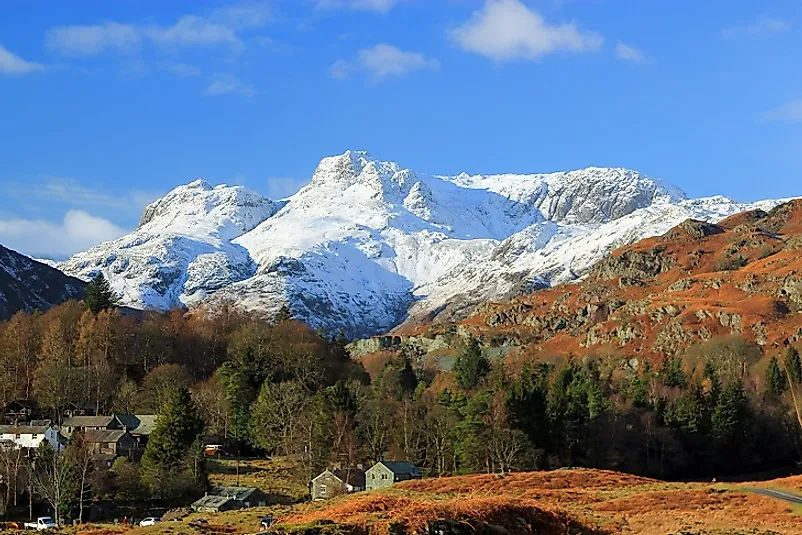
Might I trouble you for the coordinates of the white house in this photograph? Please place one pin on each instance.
(29, 436)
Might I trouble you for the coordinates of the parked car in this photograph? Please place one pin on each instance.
(42, 523)
(265, 523)
(150, 521)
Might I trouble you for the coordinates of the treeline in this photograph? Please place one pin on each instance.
(281, 388)
(720, 409)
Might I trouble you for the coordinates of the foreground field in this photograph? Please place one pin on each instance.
(548, 503)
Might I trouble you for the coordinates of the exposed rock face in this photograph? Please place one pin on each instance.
(28, 285)
(792, 289)
(634, 265)
(694, 230)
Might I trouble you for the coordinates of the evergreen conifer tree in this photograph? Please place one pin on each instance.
(172, 464)
(471, 365)
(794, 365)
(98, 294)
(730, 413)
(672, 372)
(776, 382)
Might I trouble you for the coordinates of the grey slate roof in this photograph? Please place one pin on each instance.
(355, 477)
(239, 494)
(138, 424)
(211, 502)
(23, 429)
(101, 436)
(88, 421)
(401, 467)
(40, 423)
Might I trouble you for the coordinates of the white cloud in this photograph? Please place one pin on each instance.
(225, 84)
(191, 30)
(790, 112)
(89, 40)
(182, 70)
(382, 61)
(221, 27)
(379, 6)
(506, 30)
(341, 69)
(630, 53)
(78, 231)
(762, 26)
(60, 190)
(12, 64)
(241, 16)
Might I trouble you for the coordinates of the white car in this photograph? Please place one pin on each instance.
(150, 521)
(42, 523)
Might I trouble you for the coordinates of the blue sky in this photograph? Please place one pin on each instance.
(104, 106)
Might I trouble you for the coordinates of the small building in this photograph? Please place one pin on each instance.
(113, 442)
(384, 473)
(215, 504)
(20, 411)
(338, 481)
(83, 408)
(140, 426)
(29, 437)
(228, 498)
(89, 423)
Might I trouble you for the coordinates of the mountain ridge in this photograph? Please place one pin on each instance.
(368, 244)
(28, 285)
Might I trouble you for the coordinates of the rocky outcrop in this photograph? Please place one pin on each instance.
(633, 265)
(693, 229)
(792, 289)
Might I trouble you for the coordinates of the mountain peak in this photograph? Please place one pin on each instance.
(357, 167)
(199, 207)
(198, 183)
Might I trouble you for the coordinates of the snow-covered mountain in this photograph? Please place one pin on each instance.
(367, 243)
(182, 249)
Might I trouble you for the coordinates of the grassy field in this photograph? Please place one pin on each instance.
(283, 478)
(589, 502)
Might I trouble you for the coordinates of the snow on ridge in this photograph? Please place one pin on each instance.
(367, 242)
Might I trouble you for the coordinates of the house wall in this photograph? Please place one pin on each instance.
(326, 485)
(378, 477)
(52, 439)
(25, 440)
(33, 441)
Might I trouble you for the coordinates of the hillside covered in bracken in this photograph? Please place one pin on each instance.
(698, 282)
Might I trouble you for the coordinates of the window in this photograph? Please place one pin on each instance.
(34, 437)
(18, 436)
(322, 490)
(384, 476)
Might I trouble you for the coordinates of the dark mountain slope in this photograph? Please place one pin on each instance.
(26, 284)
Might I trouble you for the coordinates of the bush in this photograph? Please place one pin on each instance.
(730, 263)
